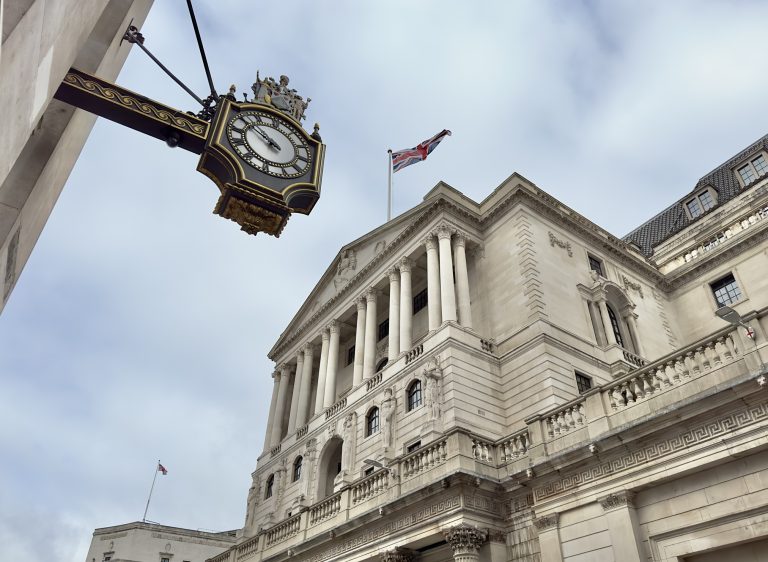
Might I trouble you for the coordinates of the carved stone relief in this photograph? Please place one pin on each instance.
(346, 268)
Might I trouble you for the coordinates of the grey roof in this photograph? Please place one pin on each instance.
(673, 219)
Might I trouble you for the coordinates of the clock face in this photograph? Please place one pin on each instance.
(269, 144)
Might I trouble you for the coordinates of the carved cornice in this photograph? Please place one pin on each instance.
(465, 538)
(622, 498)
(547, 522)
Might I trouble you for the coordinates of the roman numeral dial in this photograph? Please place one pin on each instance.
(269, 143)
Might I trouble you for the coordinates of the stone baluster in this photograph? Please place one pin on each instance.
(357, 373)
(406, 306)
(705, 364)
(394, 314)
(447, 288)
(433, 283)
(371, 333)
(718, 349)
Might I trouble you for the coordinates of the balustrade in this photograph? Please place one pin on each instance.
(223, 557)
(566, 419)
(424, 459)
(414, 353)
(482, 450)
(370, 486)
(692, 362)
(325, 509)
(336, 408)
(514, 447)
(302, 431)
(374, 381)
(283, 530)
(245, 549)
(275, 450)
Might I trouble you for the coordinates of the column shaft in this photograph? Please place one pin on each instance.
(394, 314)
(271, 417)
(447, 290)
(406, 306)
(306, 385)
(282, 398)
(433, 284)
(294, 400)
(632, 324)
(357, 374)
(610, 337)
(371, 332)
(322, 372)
(462, 281)
(333, 365)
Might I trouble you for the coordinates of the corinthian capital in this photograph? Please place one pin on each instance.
(360, 303)
(465, 539)
(430, 242)
(547, 522)
(616, 500)
(333, 326)
(371, 295)
(460, 239)
(405, 265)
(394, 274)
(309, 349)
(397, 555)
(444, 232)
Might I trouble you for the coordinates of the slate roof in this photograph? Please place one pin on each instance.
(673, 219)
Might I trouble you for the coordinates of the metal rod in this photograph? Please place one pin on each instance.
(144, 519)
(132, 36)
(202, 49)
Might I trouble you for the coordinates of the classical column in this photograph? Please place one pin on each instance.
(462, 280)
(357, 374)
(333, 365)
(549, 537)
(466, 541)
(271, 417)
(394, 314)
(406, 306)
(610, 337)
(433, 283)
(398, 555)
(371, 332)
(597, 323)
(629, 318)
(306, 384)
(295, 398)
(282, 399)
(447, 290)
(322, 372)
(622, 526)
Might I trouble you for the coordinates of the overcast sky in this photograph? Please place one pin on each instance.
(140, 326)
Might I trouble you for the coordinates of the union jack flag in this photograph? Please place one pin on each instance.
(403, 158)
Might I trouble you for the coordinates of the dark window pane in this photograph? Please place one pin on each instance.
(414, 395)
(297, 468)
(726, 291)
(372, 422)
(350, 355)
(413, 446)
(706, 200)
(383, 329)
(747, 175)
(761, 165)
(583, 382)
(596, 265)
(694, 208)
(420, 301)
(615, 326)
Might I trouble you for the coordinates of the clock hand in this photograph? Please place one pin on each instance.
(269, 139)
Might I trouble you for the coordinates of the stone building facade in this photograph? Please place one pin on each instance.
(42, 137)
(507, 381)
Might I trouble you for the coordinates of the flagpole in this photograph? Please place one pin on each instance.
(144, 519)
(389, 191)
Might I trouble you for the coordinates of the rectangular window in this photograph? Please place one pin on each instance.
(746, 173)
(420, 301)
(705, 198)
(383, 330)
(596, 265)
(726, 290)
(760, 164)
(694, 208)
(412, 447)
(368, 471)
(165, 559)
(351, 355)
(583, 383)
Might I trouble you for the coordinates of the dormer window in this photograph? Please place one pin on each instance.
(752, 170)
(702, 203)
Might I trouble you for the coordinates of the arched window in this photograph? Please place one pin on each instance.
(382, 364)
(615, 325)
(297, 468)
(372, 422)
(414, 395)
(268, 488)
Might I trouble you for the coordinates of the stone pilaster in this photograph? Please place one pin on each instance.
(333, 365)
(433, 283)
(357, 374)
(549, 537)
(462, 279)
(447, 288)
(465, 541)
(371, 331)
(394, 314)
(623, 527)
(406, 306)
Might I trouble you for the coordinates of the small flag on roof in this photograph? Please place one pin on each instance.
(403, 158)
